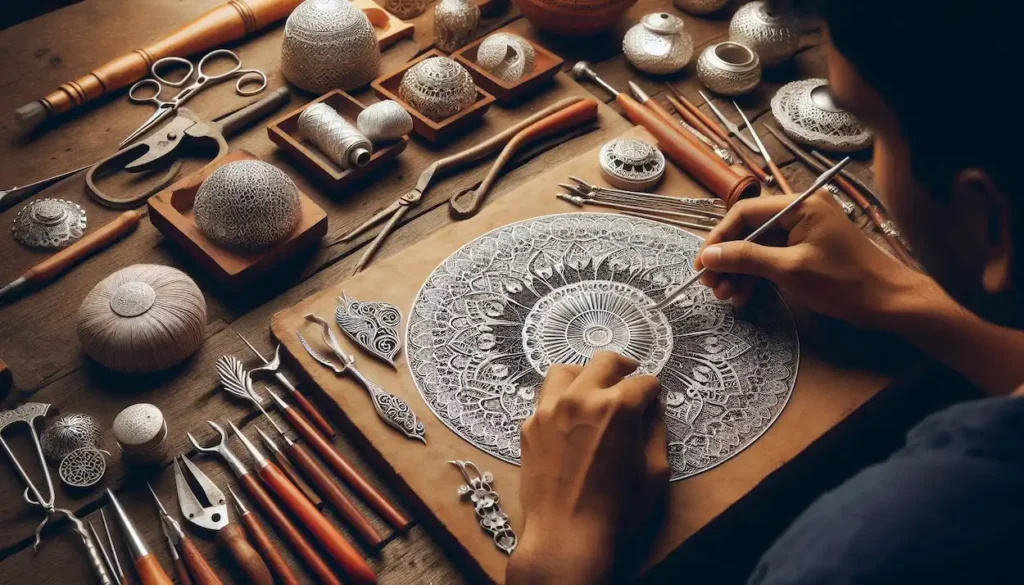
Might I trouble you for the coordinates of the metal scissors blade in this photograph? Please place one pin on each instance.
(215, 515)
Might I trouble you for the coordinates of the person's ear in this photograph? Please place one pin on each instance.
(976, 188)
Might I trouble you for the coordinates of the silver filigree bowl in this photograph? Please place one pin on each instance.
(775, 39)
(806, 112)
(631, 163)
(438, 87)
(49, 223)
(507, 56)
(658, 44)
(729, 68)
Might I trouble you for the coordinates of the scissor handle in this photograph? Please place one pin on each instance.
(153, 84)
(160, 63)
(204, 77)
(250, 76)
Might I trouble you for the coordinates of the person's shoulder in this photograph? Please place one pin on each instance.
(945, 508)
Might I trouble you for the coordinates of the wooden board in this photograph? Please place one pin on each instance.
(389, 28)
(823, 396)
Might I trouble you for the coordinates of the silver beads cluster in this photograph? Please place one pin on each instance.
(658, 44)
(775, 39)
(438, 87)
(506, 56)
(455, 22)
(384, 121)
(334, 136)
(729, 68)
(329, 44)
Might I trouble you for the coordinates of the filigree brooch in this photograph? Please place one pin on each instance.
(485, 503)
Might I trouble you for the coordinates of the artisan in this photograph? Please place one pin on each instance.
(947, 508)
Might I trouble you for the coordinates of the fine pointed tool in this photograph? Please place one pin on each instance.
(213, 515)
(14, 195)
(262, 543)
(146, 564)
(336, 545)
(825, 177)
(28, 413)
(776, 172)
(391, 409)
(307, 407)
(270, 509)
(103, 551)
(176, 540)
(730, 126)
(286, 466)
(121, 577)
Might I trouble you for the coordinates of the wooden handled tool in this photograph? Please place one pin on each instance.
(64, 260)
(228, 22)
(286, 466)
(262, 543)
(467, 203)
(332, 541)
(232, 537)
(186, 557)
(326, 451)
(146, 565)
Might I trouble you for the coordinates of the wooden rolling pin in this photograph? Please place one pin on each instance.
(226, 23)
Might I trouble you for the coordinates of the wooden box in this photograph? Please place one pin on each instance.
(389, 28)
(171, 212)
(284, 132)
(432, 130)
(546, 65)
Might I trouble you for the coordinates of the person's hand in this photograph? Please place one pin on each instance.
(815, 253)
(594, 464)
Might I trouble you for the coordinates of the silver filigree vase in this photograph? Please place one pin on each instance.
(406, 9)
(658, 44)
(455, 22)
(775, 39)
(729, 68)
(329, 44)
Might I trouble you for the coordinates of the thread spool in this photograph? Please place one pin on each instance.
(141, 433)
(334, 136)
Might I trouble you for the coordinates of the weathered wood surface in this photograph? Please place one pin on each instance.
(37, 332)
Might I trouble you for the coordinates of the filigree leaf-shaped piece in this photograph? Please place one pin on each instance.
(373, 325)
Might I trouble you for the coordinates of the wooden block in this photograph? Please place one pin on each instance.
(546, 65)
(284, 132)
(171, 212)
(389, 28)
(430, 129)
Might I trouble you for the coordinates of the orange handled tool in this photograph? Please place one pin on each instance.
(332, 541)
(467, 203)
(263, 544)
(146, 565)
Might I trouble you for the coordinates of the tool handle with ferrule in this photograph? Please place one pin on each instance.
(101, 238)
(237, 121)
(262, 543)
(346, 472)
(281, 458)
(150, 572)
(201, 571)
(232, 537)
(314, 415)
(181, 571)
(337, 546)
(288, 530)
(304, 460)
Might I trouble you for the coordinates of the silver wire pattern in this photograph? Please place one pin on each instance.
(373, 325)
(486, 505)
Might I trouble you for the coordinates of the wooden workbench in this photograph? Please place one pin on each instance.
(37, 333)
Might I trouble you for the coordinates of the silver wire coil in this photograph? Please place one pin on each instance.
(335, 136)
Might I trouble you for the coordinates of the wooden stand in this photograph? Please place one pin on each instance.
(171, 212)
(546, 65)
(389, 28)
(432, 130)
(284, 132)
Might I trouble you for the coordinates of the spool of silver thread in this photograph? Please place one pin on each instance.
(334, 136)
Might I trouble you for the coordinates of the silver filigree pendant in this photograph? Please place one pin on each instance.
(486, 505)
(83, 467)
(373, 325)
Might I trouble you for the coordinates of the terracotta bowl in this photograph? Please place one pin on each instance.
(573, 17)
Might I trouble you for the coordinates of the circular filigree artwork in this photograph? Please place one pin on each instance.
(556, 289)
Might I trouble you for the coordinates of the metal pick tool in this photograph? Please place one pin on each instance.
(731, 127)
(825, 177)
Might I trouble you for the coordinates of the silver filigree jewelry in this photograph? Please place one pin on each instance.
(805, 111)
(391, 409)
(455, 23)
(49, 223)
(631, 163)
(248, 205)
(506, 56)
(486, 505)
(438, 88)
(83, 467)
(67, 433)
(384, 121)
(848, 207)
(729, 68)
(329, 44)
(700, 6)
(335, 136)
(658, 44)
(494, 315)
(406, 9)
(373, 325)
(773, 38)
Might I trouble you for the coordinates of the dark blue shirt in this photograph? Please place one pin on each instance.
(947, 508)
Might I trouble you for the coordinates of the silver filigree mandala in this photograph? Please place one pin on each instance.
(555, 289)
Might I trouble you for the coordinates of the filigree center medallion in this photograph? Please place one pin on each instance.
(493, 317)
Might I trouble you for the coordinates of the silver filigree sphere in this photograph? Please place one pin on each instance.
(384, 121)
(775, 39)
(455, 23)
(373, 325)
(631, 163)
(658, 44)
(438, 88)
(67, 433)
(406, 9)
(729, 68)
(805, 111)
(49, 223)
(582, 282)
(248, 205)
(506, 56)
(329, 44)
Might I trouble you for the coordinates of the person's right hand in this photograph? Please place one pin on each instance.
(822, 259)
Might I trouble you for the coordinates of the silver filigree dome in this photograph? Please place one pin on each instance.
(775, 39)
(329, 44)
(438, 88)
(658, 44)
(49, 223)
(67, 433)
(506, 56)
(631, 163)
(384, 121)
(805, 111)
(455, 23)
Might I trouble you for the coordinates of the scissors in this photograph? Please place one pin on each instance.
(157, 83)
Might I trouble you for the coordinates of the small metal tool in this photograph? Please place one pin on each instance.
(286, 466)
(390, 408)
(11, 197)
(177, 539)
(28, 413)
(99, 544)
(146, 564)
(825, 177)
(729, 125)
(261, 542)
(121, 577)
(776, 172)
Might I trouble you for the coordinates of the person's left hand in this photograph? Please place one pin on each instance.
(594, 464)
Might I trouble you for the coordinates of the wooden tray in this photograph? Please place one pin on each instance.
(546, 65)
(389, 28)
(825, 393)
(432, 130)
(171, 212)
(284, 132)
